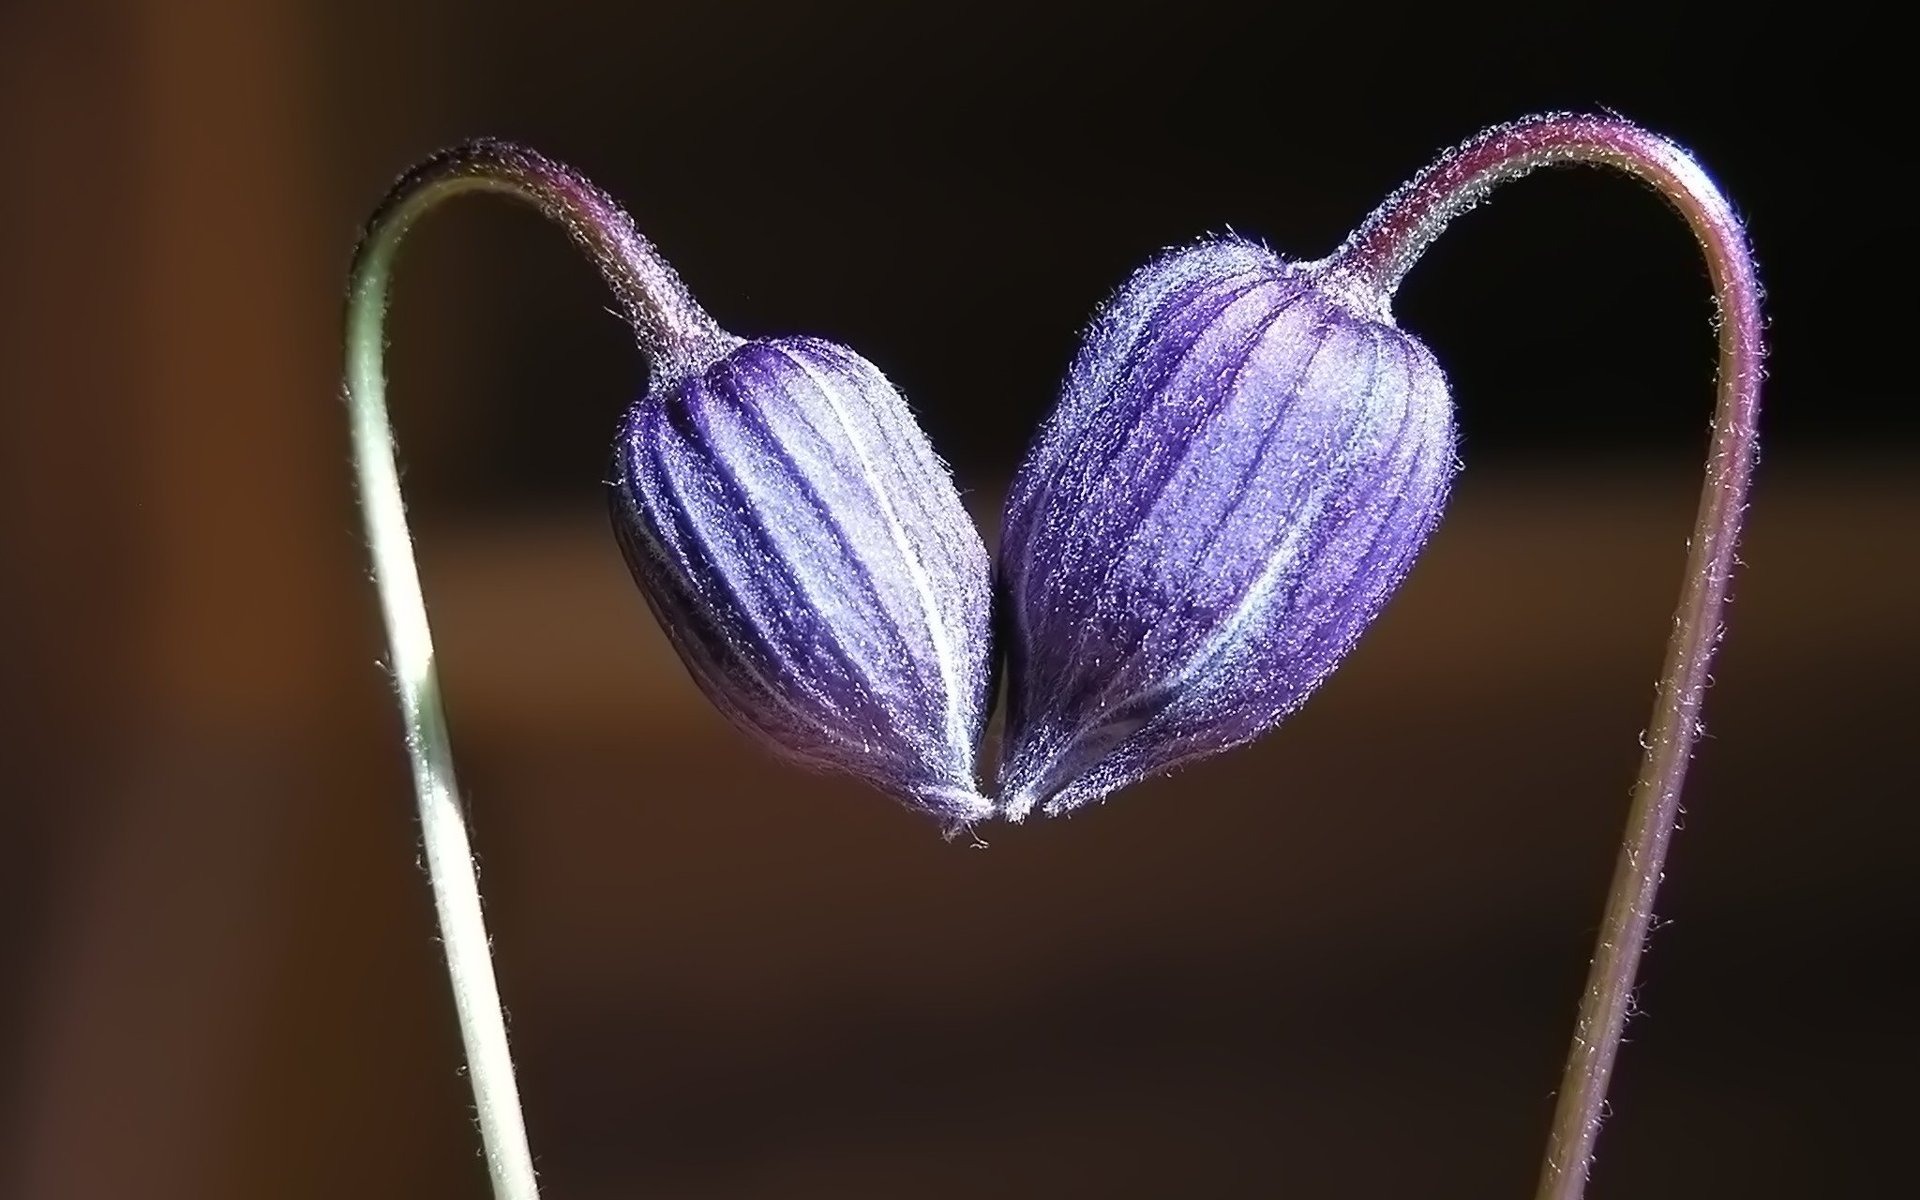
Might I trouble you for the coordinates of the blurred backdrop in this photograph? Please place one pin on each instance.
(1341, 963)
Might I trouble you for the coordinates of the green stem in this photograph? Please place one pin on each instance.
(1373, 262)
(676, 334)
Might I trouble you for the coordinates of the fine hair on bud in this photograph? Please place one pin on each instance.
(1241, 468)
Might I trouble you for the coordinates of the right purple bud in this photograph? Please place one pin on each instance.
(1247, 455)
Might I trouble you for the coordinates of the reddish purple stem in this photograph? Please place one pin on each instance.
(674, 332)
(1373, 261)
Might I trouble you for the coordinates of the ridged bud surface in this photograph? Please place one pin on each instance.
(813, 565)
(1241, 469)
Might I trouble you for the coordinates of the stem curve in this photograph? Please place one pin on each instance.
(1371, 264)
(677, 336)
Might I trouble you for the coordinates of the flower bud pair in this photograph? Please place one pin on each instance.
(1241, 469)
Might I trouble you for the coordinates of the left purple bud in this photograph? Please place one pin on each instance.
(775, 500)
(811, 561)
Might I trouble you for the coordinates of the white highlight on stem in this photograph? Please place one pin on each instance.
(443, 832)
(677, 335)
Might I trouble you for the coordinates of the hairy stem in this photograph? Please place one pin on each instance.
(1372, 263)
(676, 334)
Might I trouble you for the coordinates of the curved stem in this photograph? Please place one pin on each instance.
(1372, 262)
(677, 335)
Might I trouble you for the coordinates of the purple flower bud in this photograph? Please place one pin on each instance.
(812, 563)
(1244, 462)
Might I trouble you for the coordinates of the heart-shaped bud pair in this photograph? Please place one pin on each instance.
(1242, 468)
(1245, 460)
(1247, 457)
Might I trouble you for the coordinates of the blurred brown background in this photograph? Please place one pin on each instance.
(1342, 963)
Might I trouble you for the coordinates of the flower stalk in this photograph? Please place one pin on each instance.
(1373, 261)
(675, 332)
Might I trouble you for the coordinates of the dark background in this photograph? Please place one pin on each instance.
(1340, 963)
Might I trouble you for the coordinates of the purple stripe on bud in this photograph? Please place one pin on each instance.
(1241, 469)
(812, 563)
